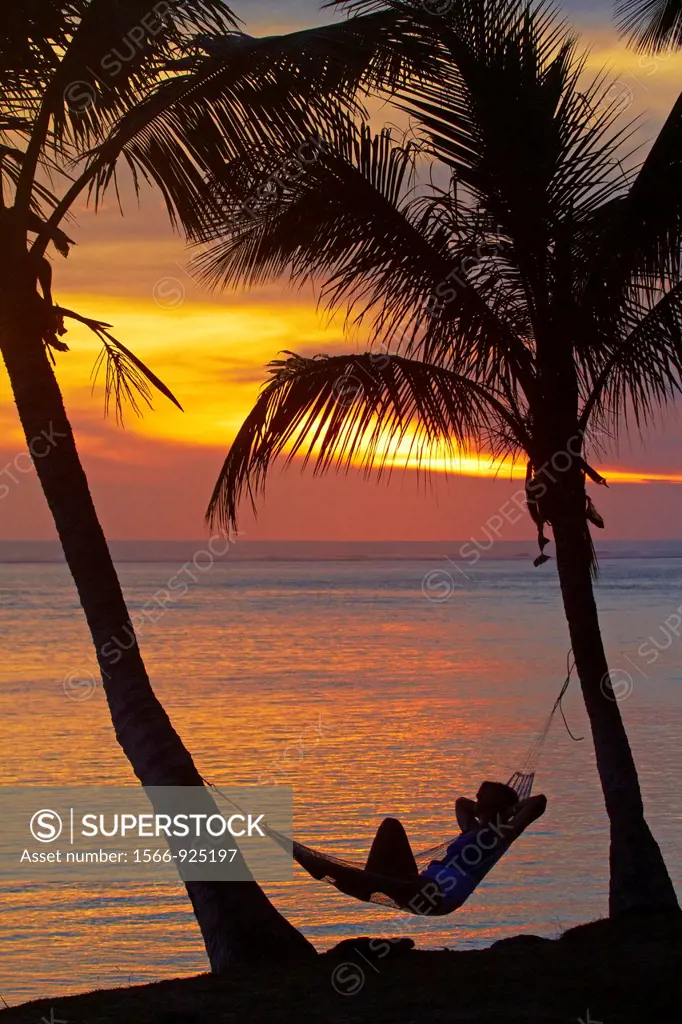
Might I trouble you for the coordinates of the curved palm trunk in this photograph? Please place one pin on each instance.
(639, 878)
(237, 921)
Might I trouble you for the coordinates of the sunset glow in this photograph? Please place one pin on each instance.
(211, 349)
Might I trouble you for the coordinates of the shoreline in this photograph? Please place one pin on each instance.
(618, 971)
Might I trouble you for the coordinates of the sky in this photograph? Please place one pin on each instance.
(153, 478)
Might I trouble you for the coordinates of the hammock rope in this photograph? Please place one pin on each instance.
(352, 878)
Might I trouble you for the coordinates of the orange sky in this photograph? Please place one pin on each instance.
(154, 478)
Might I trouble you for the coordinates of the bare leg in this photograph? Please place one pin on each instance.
(391, 853)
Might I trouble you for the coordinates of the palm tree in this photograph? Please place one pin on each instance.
(168, 91)
(529, 302)
(653, 24)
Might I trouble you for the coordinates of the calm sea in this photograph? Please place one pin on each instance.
(374, 679)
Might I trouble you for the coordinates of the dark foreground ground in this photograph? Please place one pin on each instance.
(608, 972)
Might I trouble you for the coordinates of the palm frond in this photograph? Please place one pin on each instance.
(33, 37)
(128, 381)
(642, 368)
(350, 220)
(509, 113)
(116, 54)
(643, 243)
(231, 93)
(101, 61)
(651, 24)
(372, 411)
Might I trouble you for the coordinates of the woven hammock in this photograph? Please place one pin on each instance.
(353, 879)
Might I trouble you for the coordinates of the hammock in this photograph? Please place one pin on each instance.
(353, 879)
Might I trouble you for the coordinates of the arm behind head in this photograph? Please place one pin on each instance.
(465, 811)
(524, 814)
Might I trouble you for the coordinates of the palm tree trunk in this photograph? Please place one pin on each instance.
(639, 878)
(237, 921)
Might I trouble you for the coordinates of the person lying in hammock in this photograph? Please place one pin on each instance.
(489, 825)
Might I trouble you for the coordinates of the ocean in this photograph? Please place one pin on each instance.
(376, 679)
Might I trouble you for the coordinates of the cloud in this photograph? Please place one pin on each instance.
(146, 488)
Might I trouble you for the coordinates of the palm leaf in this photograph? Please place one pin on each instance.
(509, 114)
(116, 53)
(127, 379)
(110, 58)
(642, 368)
(234, 93)
(644, 237)
(357, 410)
(27, 61)
(651, 24)
(350, 220)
